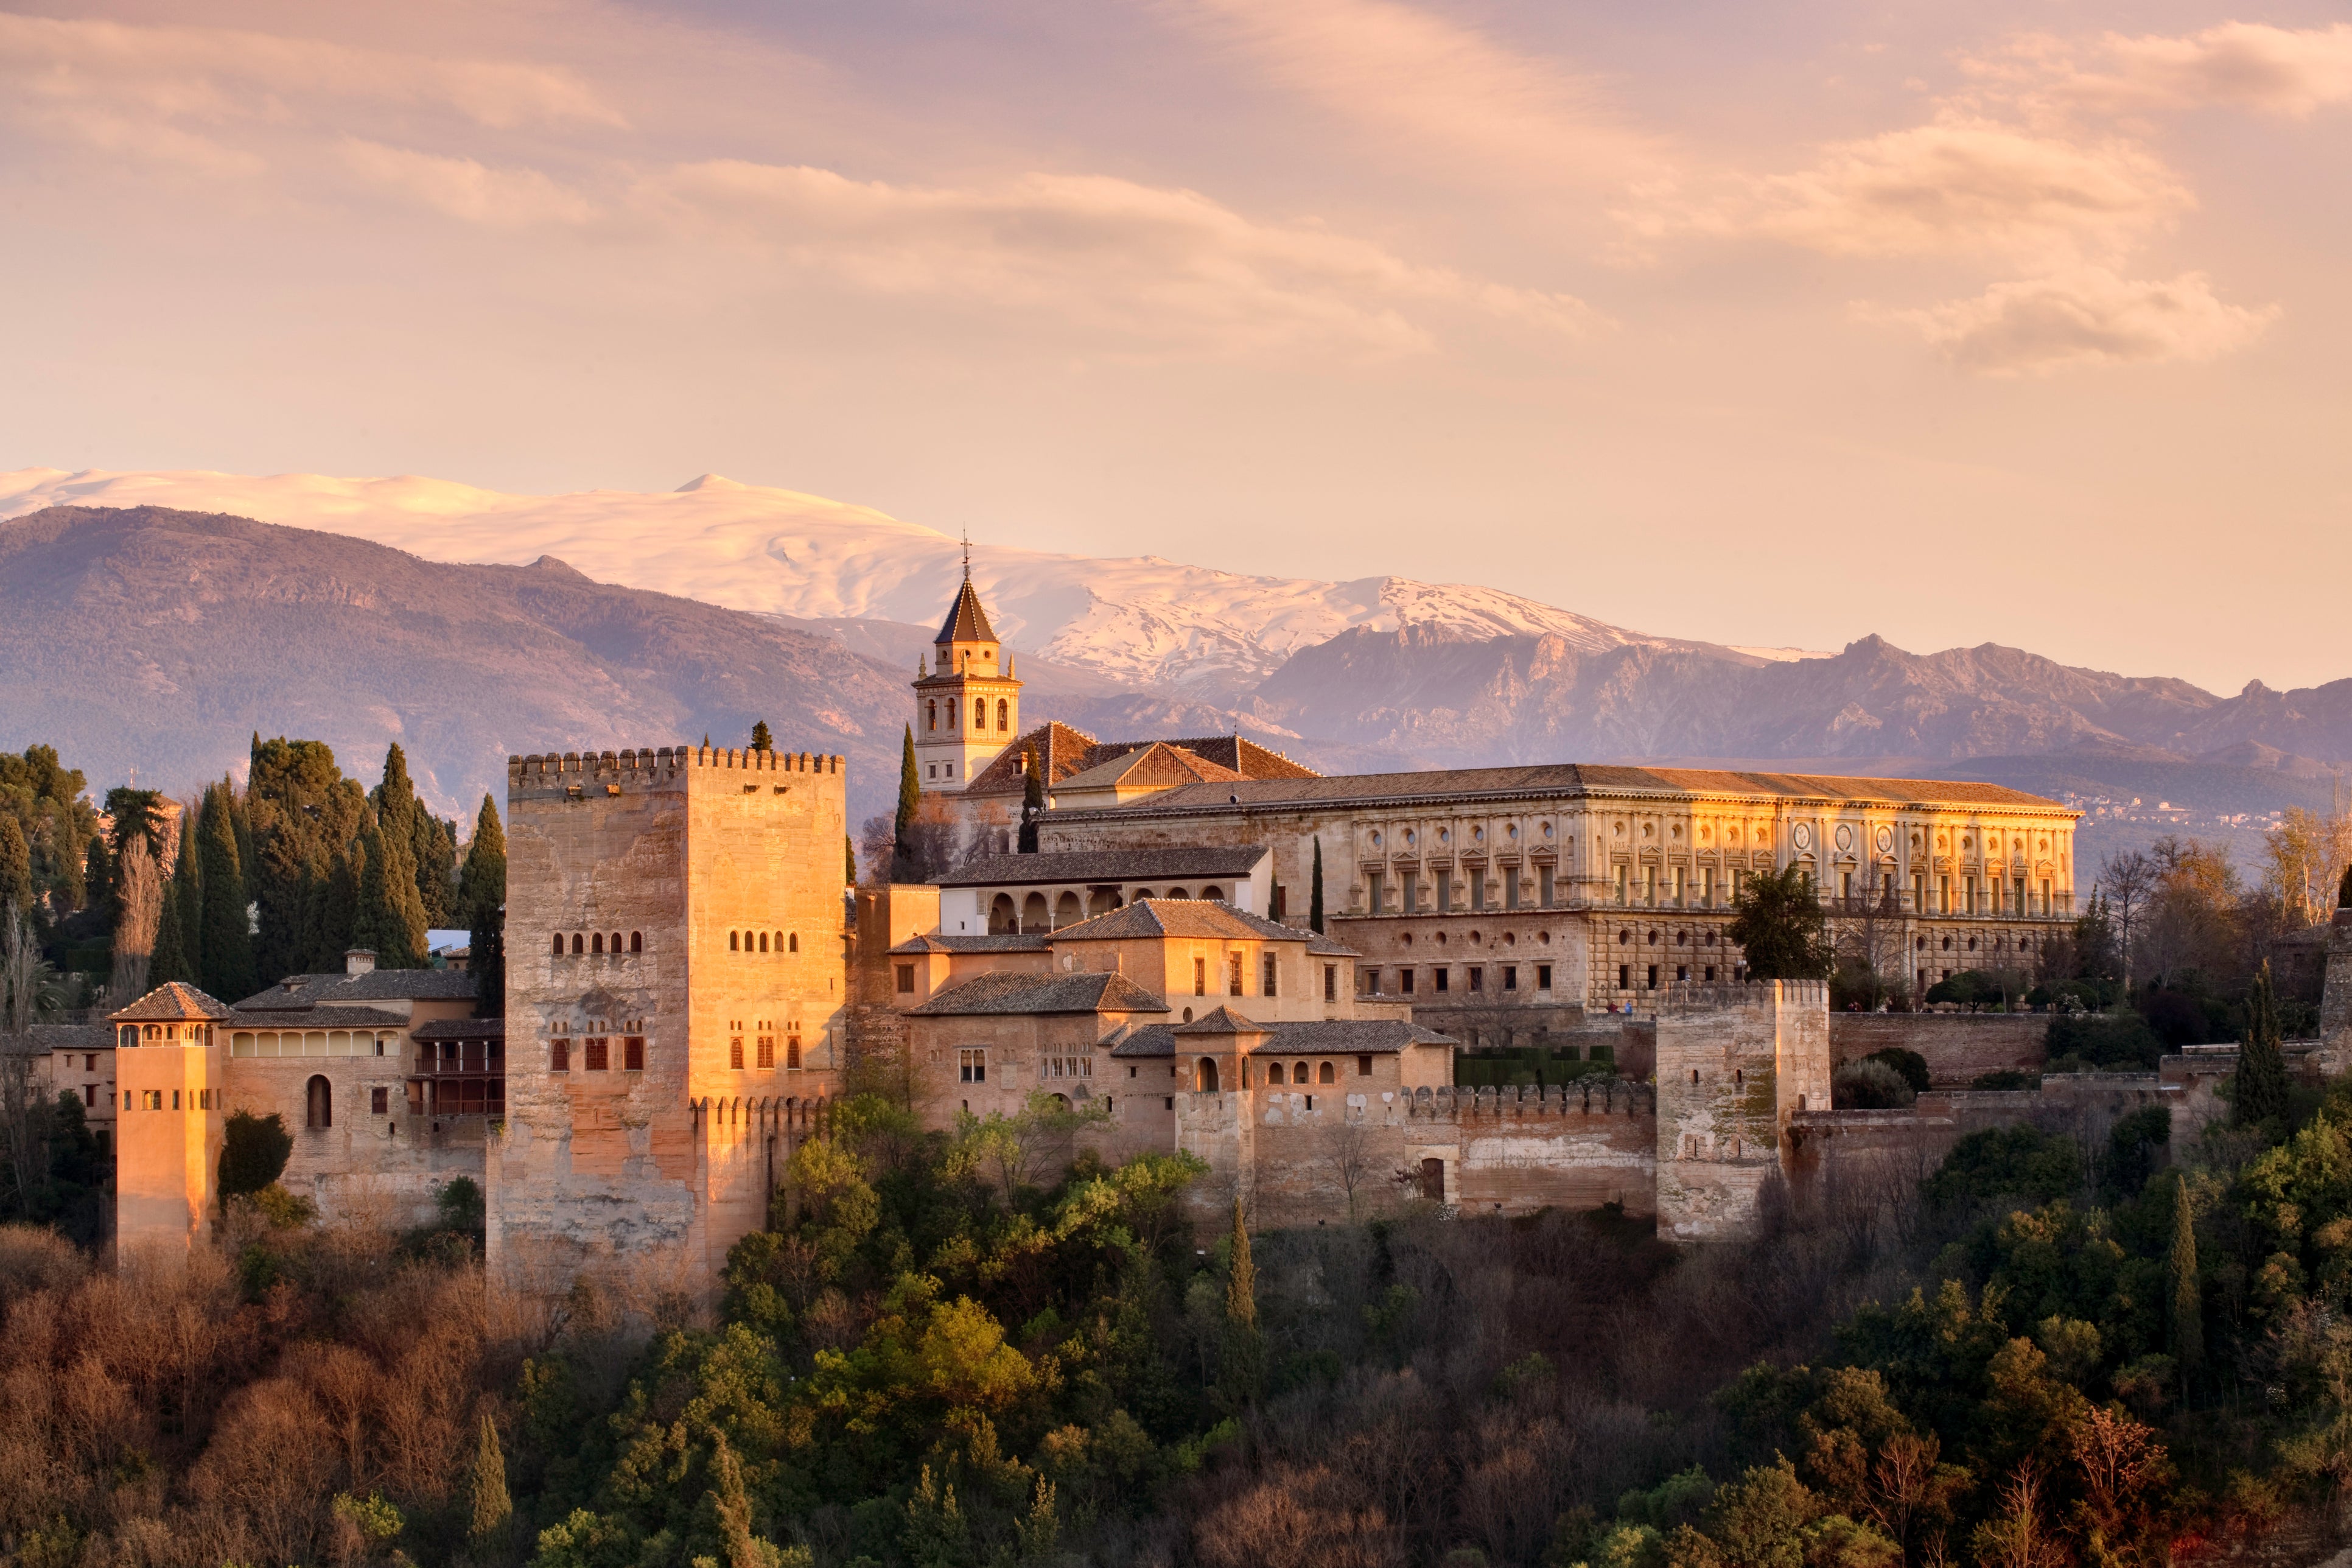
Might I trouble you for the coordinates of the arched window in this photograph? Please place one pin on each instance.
(763, 942)
(1004, 715)
(980, 712)
(1324, 1074)
(1273, 1073)
(616, 941)
(596, 943)
(636, 942)
(1213, 893)
(1004, 920)
(320, 1101)
(931, 715)
(1178, 893)
(579, 946)
(954, 708)
(795, 942)
(1204, 1076)
(734, 941)
(559, 944)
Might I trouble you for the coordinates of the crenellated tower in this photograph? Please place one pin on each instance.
(967, 702)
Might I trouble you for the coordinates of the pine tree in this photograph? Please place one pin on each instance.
(227, 942)
(15, 867)
(2261, 1085)
(483, 885)
(491, 1505)
(1242, 1366)
(2187, 1303)
(910, 796)
(1315, 895)
(1033, 800)
(391, 917)
(1780, 928)
(761, 740)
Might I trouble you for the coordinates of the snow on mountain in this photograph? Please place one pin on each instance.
(1140, 620)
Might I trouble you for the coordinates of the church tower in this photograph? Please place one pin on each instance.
(967, 703)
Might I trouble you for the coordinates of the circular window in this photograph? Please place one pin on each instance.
(1845, 835)
(1972, 945)
(1404, 939)
(1439, 939)
(1376, 841)
(1682, 939)
(1710, 939)
(1513, 830)
(1411, 838)
(1478, 836)
(1544, 937)
(1653, 939)
(1548, 831)
(1617, 830)
(1474, 938)
(1510, 939)
(1649, 830)
(1623, 937)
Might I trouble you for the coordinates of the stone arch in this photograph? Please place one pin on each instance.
(318, 1102)
(1003, 715)
(1002, 919)
(1325, 1074)
(763, 942)
(1213, 893)
(596, 943)
(1033, 917)
(1067, 912)
(636, 942)
(1204, 1076)
(559, 944)
(578, 947)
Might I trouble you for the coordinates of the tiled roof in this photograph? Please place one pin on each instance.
(1242, 755)
(376, 985)
(1105, 866)
(318, 1018)
(1063, 753)
(172, 1003)
(1060, 751)
(460, 1029)
(1156, 767)
(1221, 1020)
(1339, 1037)
(1002, 941)
(1203, 918)
(1573, 780)
(966, 621)
(1095, 992)
(72, 1037)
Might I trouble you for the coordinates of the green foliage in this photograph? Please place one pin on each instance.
(1910, 1065)
(2261, 1082)
(486, 960)
(1315, 897)
(1243, 1354)
(1032, 800)
(910, 797)
(1779, 925)
(489, 1505)
(2006, 1078)
(15, 867)
(45, 823)
(2185, 1290)
(391, 916)
(761, 740)
(1869, 1085)
(228, 945)
(2132, 1146)
(376, 1521)
(2002, 1165)
(1994, 988)
(483, 883)
(254, 1151)
(2104, 1039)
(304, 815)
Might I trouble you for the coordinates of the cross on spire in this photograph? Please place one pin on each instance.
(967, 552)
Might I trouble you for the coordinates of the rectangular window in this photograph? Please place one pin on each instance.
(1404, 980)
(1649, 887)
(1706, 886)
(906, 980)
(1363, 1066)
(1845, 885)
(559, 1055)
(1443, 978)
(1621, 875)
(1477, 978)
(973, 1066)
(791, 1053)
(1511, 977)
(175, 1099)
(1279, 905)
(1543, 977)
(1375, 894)
(2046, 906)
(766, 1048)
(1330, 983)
(90, 1095)
(1654, 977)
(1968, 888)
(1544, 890)
(1624, 977)
(378, 1102)
(1510, 887)
(1445, 890)
(735, 1052)
(1270, 977)
(1200, 977)
(1479, 890)
(1232, 974)
(633, 1053)
(1681, 886)
(598, 1059)
(2020, 908)
(1408, 891)
(1943, 895)
(1919, 892)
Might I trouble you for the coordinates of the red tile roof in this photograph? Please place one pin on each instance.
(171, 1003)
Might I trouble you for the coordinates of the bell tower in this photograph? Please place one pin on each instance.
(967, 702)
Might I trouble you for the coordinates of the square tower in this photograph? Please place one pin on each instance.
(676, 986)
(1734, 1064)
(967, 703)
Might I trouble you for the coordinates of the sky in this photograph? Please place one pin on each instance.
(2019, 322)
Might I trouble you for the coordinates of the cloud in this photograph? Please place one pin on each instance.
(2088, 316)
(1963, 187)
(463, 189)
(1433, 87)
(220, 76)
(2247, 66)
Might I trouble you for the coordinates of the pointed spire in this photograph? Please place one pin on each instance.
(967, 552)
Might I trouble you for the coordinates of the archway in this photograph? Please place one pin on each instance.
(1033, 913)
(320, 1102)
(1002, 919)
(1066, 911)
(1204, 1076)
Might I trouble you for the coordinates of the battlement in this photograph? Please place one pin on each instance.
(1757, 995)
(1587, 1097)
(545, 766)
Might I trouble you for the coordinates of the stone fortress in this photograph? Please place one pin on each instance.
(690, 985)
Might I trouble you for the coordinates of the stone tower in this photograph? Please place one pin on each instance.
(676, 986)
(1735, 1063)
(967, 703)
(169, 1129)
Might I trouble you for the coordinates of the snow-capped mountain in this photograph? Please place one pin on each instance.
(1140, 621)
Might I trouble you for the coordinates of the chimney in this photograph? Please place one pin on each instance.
(359, 961)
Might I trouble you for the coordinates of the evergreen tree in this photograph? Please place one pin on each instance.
(761, 740)
(848, 861)
(1033, 800)
(303, 813)
(424, 847)
(491, 1505)
(910, 796)
(486, 960)
(98, 876)
(1780, 928)
(226, 944)
(483, 884)
(1243, 1364)
(2262, 1085)
(15, 867)
(186, 896)
(2187, 1314)
(1315, 894)
(432, 843)
(391, 917)
(331, 908)
(170, 961)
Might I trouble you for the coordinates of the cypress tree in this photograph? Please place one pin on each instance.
(98, 876)
(483, 885)
(1241, 1365)
(848, 861)
(333, 907)
(170, 959)
(2187, 1315)
(227, 942)
(15, 867)
(1315, 895)
(486, 960)
(910, 796)
(433, 845)
(2261, 1087)
(187, 894)
(391, 917)
(1033, 800)
(491, 1505)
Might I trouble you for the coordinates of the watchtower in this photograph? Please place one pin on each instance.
(1734, 1064)
(168, 1130)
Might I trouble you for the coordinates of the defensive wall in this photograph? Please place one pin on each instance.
(1959, 1048)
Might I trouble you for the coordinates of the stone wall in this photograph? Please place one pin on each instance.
(1958, 1047)
(1734, 1063)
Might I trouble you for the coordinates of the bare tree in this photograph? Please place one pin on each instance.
(2129, 882)
(139, 888)
(1344, 1145)
(1866, 933)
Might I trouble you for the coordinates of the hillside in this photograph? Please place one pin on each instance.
(158, 640)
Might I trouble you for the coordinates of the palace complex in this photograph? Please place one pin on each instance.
(691, 986)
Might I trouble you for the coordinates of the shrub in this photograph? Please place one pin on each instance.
(1910, 1065)
(1869, 1085)
(2006, 1164)
(2132, 1144)
(2007, 1078)
(254, 1151)
(2105, 1039)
